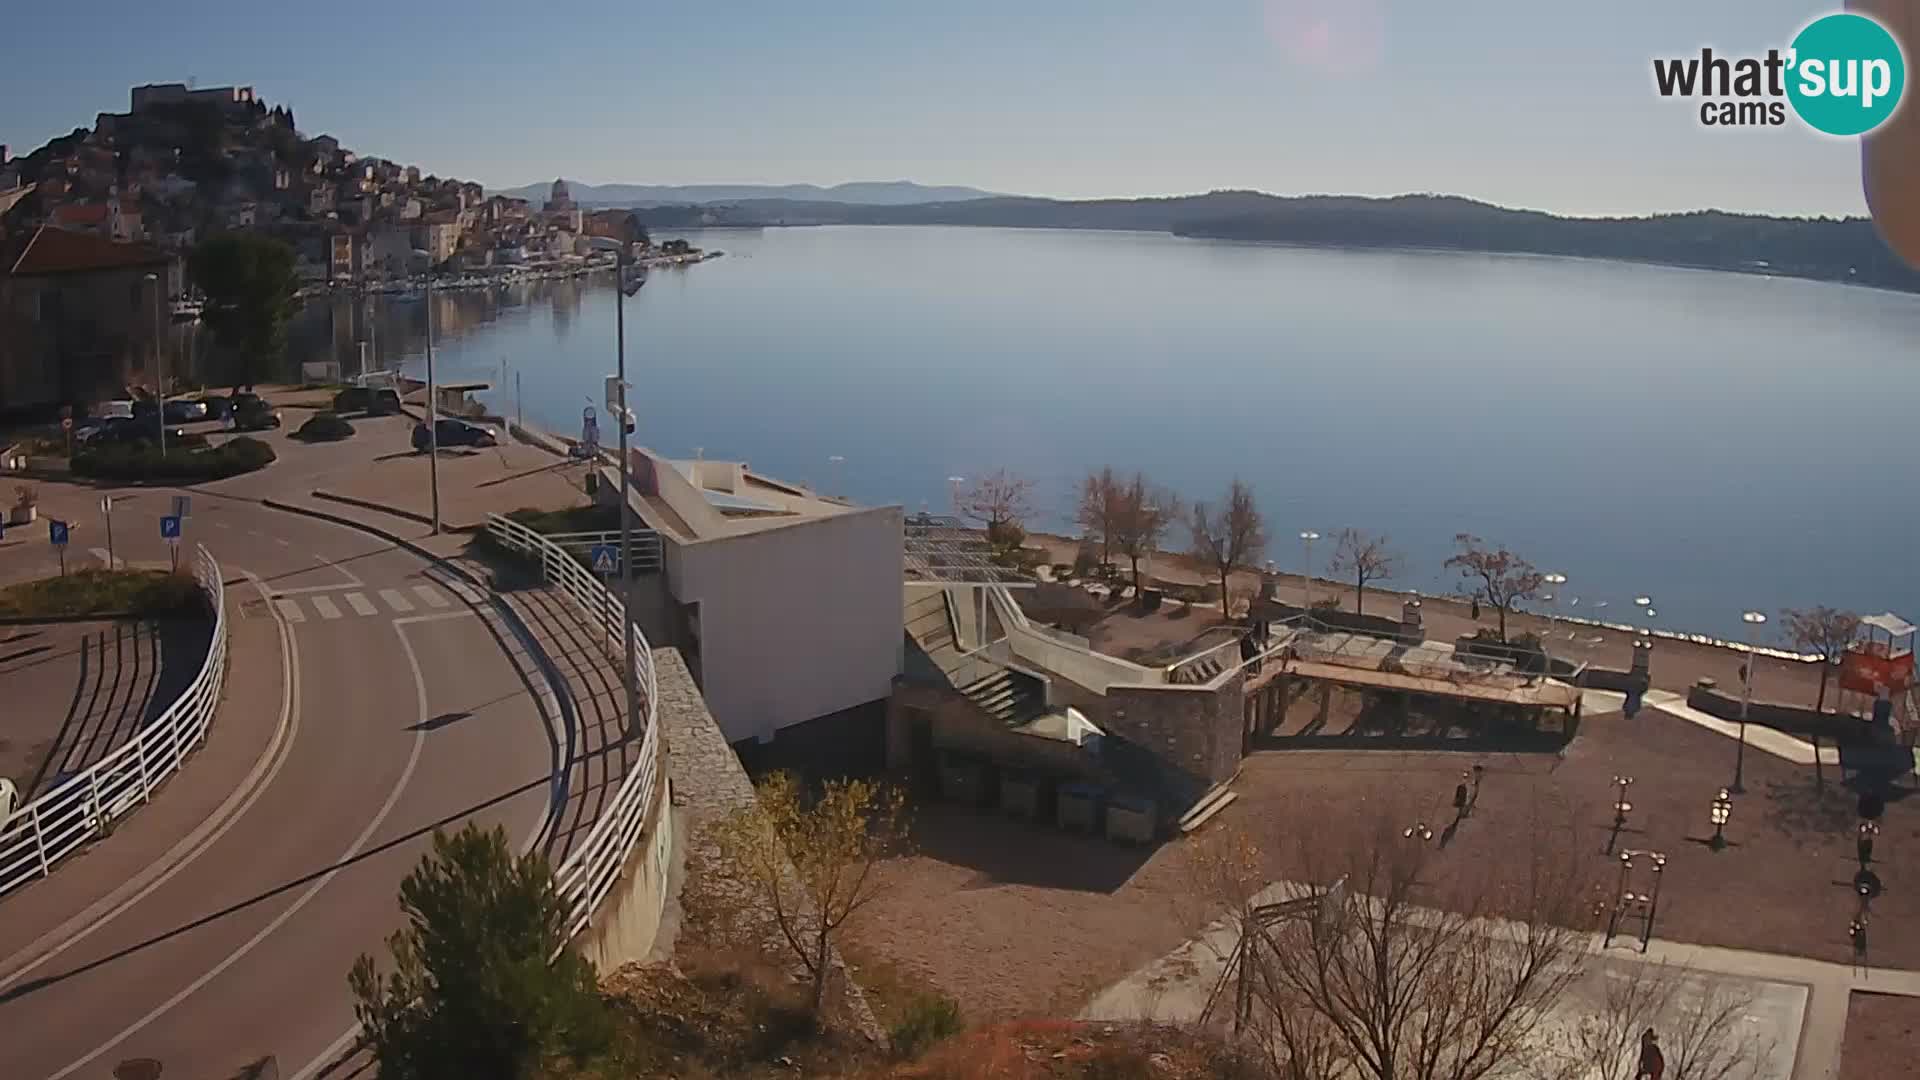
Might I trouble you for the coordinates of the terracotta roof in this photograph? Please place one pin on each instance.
(57, 251)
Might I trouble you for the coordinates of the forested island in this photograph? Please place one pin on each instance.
(1831, 249)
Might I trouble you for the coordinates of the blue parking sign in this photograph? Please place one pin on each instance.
(57, 532)
(605, 559)
(170, 527)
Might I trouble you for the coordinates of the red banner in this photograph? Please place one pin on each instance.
(1868, 673)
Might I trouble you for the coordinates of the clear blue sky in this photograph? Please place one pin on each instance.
(1537, 103)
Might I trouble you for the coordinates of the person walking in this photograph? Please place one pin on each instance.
(1476, 609)
(1653, 1064)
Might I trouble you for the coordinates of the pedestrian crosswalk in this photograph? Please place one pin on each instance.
(298, 609)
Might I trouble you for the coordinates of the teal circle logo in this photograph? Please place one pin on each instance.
(1847, 74)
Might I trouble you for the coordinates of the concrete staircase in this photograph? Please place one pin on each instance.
(1011, 697)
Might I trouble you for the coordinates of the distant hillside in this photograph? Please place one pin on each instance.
(862, 193)
(1833, 249)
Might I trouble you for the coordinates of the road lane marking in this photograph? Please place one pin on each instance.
(353, 851)
(441, 617)
(432, 596)
(290, 609)
(234, 808)
(221, 525)
(360, 604)
(111, 561)
(325, 607)
(396, 601)
(283, 541)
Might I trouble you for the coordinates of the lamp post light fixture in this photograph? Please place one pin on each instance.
(1752, 619)
(1722, 810)
(1418, 831)
(1621, 807)
(953, 489)
(1306, 576)
(1863, 843)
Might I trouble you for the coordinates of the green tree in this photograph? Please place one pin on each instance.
(483, 985)
(249, 283)
(813, 863)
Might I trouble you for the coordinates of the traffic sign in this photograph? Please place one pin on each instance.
(106, 504)
(182, 506)
(605, 559)
(170, 528)
(616, 395)
(57, 532)
(66, 423)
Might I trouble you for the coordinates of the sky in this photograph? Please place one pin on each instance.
(1535, 103)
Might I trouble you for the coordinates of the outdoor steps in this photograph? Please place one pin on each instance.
(1007, 696)
(1218, 798)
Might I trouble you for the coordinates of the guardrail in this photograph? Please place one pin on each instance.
(591, 869)
(38, 835)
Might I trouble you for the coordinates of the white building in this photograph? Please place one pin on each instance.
(786, 604)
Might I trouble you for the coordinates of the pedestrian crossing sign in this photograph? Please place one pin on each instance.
(604, 559)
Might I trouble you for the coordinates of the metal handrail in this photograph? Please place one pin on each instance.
(593, 867)
(39, 834)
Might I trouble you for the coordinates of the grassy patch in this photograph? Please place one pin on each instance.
(572, 519)
(152, 593)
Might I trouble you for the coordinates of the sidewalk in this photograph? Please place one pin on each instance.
(247, 734)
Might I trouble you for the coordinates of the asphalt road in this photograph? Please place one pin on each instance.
(406, 715)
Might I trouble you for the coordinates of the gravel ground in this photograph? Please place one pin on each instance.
(1022, 920)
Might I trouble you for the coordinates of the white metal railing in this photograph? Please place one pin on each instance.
(84, 806)
(592, 868)
(646, 545)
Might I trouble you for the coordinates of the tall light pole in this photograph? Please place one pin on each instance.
(1752, 619)
(835, 461)
(159, 363)
(1306, 575)
(620, 262)
(953, 487)
(1553, 601)
(433, 413)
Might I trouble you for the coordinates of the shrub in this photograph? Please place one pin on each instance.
(482, 984)
(324, 427)
(928, 1019)
(153, 593)
(180, 464)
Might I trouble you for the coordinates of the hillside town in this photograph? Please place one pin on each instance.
(96, 227)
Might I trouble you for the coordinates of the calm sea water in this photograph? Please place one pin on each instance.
(1715, 441)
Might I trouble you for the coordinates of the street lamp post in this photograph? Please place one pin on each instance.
(1553, 600)
(621, 261)
(159, 363)
(1752, 619)
(1722, 810)
(1306, 576)
(433, 414)
(835, 461)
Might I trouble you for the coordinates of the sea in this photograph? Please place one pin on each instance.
(1712, 442)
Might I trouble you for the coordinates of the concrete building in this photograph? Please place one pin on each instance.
(230, 97)
(440, 237)
(347, 257)
(78, 317)
(786, 605)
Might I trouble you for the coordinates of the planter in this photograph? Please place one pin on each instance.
(23, 515)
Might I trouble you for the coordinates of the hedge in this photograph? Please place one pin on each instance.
(135, 464)
(324, 427)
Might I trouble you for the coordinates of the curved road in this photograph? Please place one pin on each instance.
(405, 714)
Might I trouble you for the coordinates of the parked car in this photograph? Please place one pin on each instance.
(451, 432)
(375, 401)
(131, 431)
(184, 411)
(253, 414)
(218, 407)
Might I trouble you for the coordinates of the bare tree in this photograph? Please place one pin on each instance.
(1366, 558)
(1142, 515)
(812, 863)
(1001, 502)
(1822, 630)
(1229, 536)
(1698, 1021)
(1395, 976)
(1498, 576)
(1099, 511)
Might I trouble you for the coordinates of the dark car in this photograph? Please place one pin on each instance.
(182, 411)
(253, 414)
(451, 432)
(218, 408)
(383, 401)
(132, 432)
